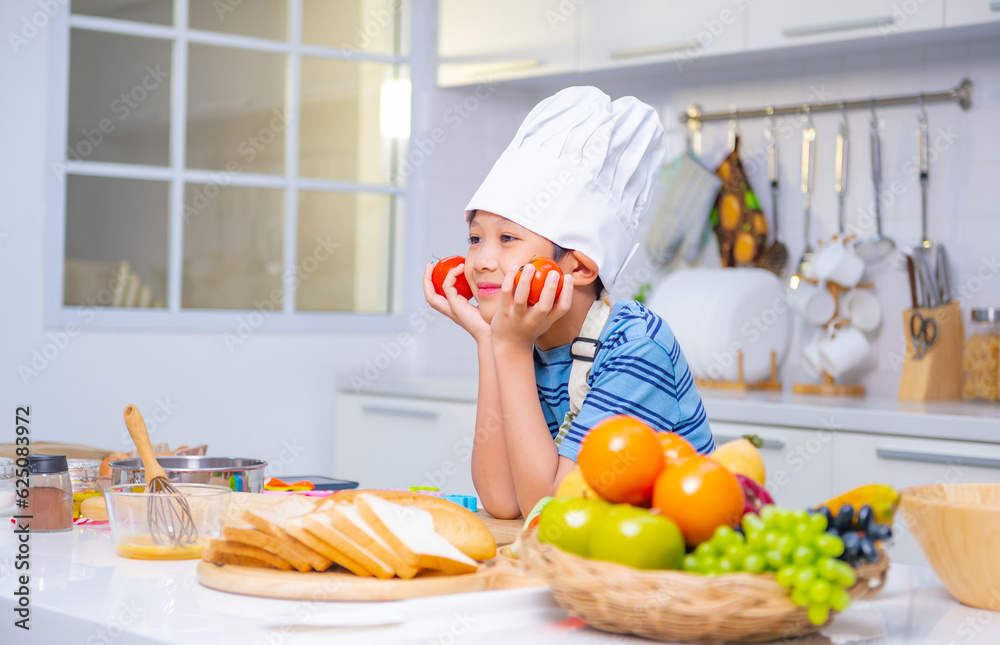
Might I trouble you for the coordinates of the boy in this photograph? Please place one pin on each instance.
(570, 186)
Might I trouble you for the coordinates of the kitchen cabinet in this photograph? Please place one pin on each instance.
(780, 23)
(900, 462)
(616, 34)
(799, 461)
(491, 40)
(970, 12)
(398, 442)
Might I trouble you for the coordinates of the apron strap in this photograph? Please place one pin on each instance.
(583, 351)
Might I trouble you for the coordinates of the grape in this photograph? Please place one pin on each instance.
(825, 512)
(692, 564)
(751, 523)
(803, 556)
(819, 592)
(726, 565)
(754, 563)
(845, 575)
(800, 596)
(768, 512)
(771, 539)
(865, 516)
(786, 546)
(786, 576)
(818, 522)
(774, 558)
(704, 549)
(724, 536)
(818, 614)
(839, 598)
(868, 550)
(709, 564)
(852, 547)
(827, 568)
(845, 518)
(879, 532)
(755, 540)
(804, 577)
(829, 545)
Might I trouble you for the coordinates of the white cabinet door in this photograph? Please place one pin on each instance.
(784, 23)
(799, 462)
(398, 442)
(615, 33)
(900, 462)
(970, 12)
(485, 40)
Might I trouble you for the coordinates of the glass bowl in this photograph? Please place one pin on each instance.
(128, 514)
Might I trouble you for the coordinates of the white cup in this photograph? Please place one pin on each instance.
(845, 350)
(863, 308)
(838, 263)
(811, 358)
(812, 302)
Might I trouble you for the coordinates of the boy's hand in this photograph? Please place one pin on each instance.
(520, 324)
(460, 310)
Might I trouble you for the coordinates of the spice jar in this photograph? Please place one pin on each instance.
(50, 494)
(982, 356)
(84, 475)
(7, 494)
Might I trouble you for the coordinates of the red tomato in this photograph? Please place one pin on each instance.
(440, 272)
(543, 267)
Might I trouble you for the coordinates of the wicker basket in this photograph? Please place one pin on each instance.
(674, 605)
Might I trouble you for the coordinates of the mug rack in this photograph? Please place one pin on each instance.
(740, 383)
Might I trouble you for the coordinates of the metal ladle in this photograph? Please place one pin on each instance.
(808, 152)
(877, 247)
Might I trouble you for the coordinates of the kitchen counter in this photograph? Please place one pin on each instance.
(82, 592)
(958, 420)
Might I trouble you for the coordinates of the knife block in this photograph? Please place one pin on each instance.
(939, 375)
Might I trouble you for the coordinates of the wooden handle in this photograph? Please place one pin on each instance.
(137, 429)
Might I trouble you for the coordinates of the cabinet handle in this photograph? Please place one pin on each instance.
(847, 25)
(639, 52)
(769, 444)
(936, 458)
(399, 412)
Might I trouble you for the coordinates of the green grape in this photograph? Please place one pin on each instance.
(786, 576)
(828, 568)
(819, 593)
(726, 565)
(724, 536)
(803, 533)
(804, 555)
(704, 550)
(767, 513)
(786, 522)
(751, 522)
(709, 564)
(818, 614)
(845, 574)
(787, 545)
(818, 523)
(736, 552)
(800, 597)
(830, 545)
(692, 563)
(805, 576)
(774, 559)
(771, 539)
(839, 598)
(801, 516)
(754, 563)
(755, 540)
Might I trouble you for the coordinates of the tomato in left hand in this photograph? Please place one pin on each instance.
(440, 272)
(543, 267)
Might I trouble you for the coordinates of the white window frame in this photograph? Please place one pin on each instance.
(174, 317)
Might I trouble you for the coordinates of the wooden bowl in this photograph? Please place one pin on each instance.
(958, 529)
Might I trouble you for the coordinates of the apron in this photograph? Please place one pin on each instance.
(583, 351)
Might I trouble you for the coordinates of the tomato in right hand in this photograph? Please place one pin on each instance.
(543, 267)
(440, 272)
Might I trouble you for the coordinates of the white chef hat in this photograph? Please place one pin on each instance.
(578, 173)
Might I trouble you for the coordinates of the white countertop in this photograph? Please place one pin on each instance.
(958, 420)
(82, 592)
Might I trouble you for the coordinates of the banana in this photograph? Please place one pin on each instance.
(882, 498)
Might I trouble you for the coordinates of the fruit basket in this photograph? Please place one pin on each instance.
(675, 605)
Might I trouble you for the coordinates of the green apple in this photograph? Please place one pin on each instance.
(635, 537)
(568, 522)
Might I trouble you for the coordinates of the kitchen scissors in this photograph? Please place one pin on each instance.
(923, 333)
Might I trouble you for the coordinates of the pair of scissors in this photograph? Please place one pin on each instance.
(923, 333)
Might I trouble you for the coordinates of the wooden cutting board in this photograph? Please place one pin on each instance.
(499, 573)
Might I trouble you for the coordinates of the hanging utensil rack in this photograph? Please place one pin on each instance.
(962, 94)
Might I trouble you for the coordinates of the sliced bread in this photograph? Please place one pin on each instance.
(272, 521)
(257, 538)
(347, 520)
(320, 525)
(296, 528)
(226, 551)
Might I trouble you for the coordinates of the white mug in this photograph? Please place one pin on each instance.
(838, 263)
(863, 308)
(845, 350)
(811, 358)
(812, 302)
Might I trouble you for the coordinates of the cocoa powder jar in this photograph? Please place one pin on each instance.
(50, 495)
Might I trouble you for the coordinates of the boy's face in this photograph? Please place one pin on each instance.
(495, 245)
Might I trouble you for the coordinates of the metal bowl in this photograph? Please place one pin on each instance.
(238, 474)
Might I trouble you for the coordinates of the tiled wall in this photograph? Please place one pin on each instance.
(963, 210)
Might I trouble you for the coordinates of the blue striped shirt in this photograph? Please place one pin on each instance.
(639, 370)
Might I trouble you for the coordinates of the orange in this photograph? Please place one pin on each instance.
(621, 458)
(675, 446)
(699, 495)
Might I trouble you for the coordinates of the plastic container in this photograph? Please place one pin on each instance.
(50, 494)
(7, 495)
(84, 475)
(982, 356)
